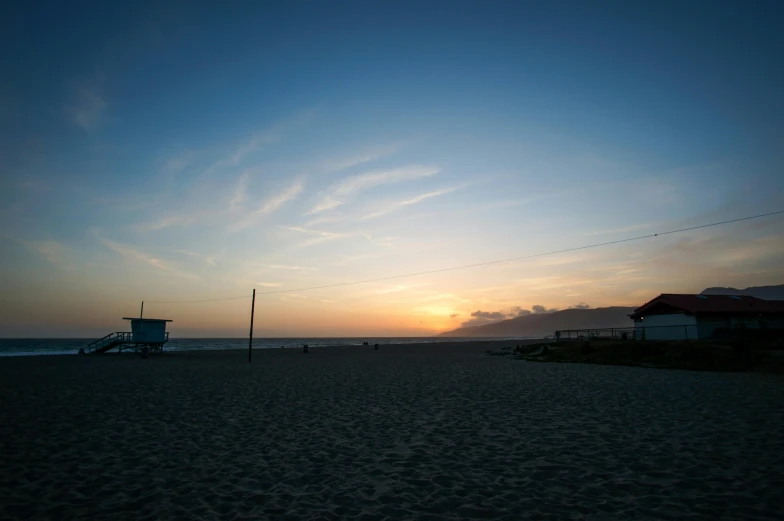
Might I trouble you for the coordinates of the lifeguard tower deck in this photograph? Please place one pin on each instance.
(147, 333)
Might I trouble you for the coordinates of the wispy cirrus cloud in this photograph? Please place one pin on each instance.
(140, 257)
(257, 141)
(239, 152)
(270, 205)
(131, 253)
(253, 144)
(622, 229)
(278, 200)
(177, 162)
(240, 191)
(363, 182)
(445, 296)
(408, 202)
(380, 241)
(346, 259)
(363, 156)
(310, 231)
(170, 168)
(339, 192)
(327, 202)
(398, 288)
(88, 110)
(299, 298)
(34, 184)
(209, 260)
(179, 219)
(52, 251)
(169, 220)
(514, 203)
(324, 219)
(286, 267)
(318, 236)
(324, 236)
(55, 252)
(87, 106)
(270, 136)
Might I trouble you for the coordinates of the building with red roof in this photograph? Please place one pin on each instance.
(679, 316)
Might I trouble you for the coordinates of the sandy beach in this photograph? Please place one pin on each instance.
(431, 432)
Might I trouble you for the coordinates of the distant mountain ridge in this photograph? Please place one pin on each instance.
(763, 292)
(542, 324)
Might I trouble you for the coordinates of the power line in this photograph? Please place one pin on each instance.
(193, 301)
(487, 263)
(525, 256)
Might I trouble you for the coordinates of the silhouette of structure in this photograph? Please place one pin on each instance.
(691, 317)
(146, 333)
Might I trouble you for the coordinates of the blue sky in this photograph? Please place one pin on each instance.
(195, 150)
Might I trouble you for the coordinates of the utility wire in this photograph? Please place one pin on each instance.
(193, 301)
(524, 256)
(488, 263)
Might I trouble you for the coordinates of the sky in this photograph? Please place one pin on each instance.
(168, 152)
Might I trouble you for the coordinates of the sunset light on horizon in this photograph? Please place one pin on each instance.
(177, 154)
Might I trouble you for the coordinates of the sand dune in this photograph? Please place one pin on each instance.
(407, 432)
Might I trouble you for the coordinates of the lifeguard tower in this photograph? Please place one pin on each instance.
(149, 333)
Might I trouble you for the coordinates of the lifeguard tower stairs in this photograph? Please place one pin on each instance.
(149, 333)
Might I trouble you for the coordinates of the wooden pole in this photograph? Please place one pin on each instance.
(252, 311)
(141, 323)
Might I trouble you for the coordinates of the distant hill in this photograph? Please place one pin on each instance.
(764, 292)
(541, 324)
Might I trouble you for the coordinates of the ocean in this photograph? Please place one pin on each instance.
(70, 346)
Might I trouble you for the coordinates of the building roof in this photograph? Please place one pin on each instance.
(713, 304)
(149, 319)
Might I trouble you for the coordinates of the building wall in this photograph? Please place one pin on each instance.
(696, 328)
(752, 322)
(774, 323)
(675, 326)
(708, 325)
(148, 331)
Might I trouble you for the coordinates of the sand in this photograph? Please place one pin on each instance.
(407, 432)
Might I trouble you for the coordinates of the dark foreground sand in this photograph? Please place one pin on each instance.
(406, 432)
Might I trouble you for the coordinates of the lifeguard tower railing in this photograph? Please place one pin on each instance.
(122, 339)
